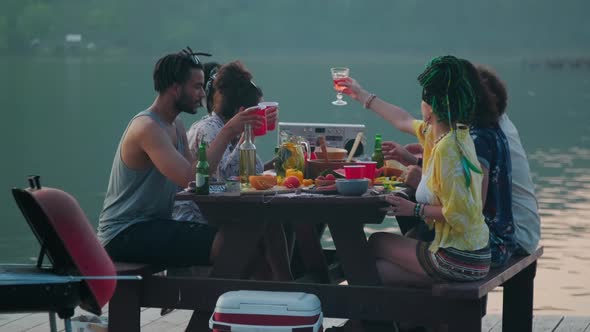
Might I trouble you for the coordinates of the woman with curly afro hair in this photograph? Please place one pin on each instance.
(233, 91)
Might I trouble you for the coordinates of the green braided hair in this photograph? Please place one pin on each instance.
(447, 88)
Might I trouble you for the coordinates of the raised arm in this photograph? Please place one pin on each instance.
(154, 141)
(395, 115)
(233, 128)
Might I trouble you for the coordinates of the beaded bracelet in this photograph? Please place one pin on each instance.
(417, 210)
(369, 100)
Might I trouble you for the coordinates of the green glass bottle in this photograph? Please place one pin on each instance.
(202, 176)
(378, 154)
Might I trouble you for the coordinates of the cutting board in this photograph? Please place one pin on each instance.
(272, 191)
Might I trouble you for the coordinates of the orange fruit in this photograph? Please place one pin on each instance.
(262, 182)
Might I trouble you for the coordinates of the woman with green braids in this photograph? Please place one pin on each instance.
(449, 196)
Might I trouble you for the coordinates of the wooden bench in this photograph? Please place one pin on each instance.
(125, 305)
(457, 305)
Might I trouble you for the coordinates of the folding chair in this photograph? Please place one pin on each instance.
(81, 272)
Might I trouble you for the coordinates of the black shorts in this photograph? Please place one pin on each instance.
(167, 243)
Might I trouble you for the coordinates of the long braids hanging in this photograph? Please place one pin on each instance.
(447, 89)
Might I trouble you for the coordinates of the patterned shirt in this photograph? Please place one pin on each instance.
(464, 227)
(494, 154)
(205, 131)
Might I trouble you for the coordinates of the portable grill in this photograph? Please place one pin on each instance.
(80, 273)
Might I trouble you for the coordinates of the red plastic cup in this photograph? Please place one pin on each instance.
(270, 107)
(354, 171)
(260, 131)
(370, 169)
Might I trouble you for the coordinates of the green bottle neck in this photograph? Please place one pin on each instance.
(202, 153)
(378, 142)
(378, 145)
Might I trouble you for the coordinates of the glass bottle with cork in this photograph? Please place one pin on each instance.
(202, 176)
(247, 156)
(377, 153)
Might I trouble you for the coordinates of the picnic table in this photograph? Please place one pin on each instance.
(244, 218)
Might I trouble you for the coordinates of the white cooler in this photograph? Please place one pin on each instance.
(261, 311)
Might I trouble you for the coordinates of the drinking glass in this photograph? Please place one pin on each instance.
(270, 107)
(338, 75)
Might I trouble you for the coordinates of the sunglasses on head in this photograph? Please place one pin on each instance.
(254, 85)
(209, 85)
(194, 55)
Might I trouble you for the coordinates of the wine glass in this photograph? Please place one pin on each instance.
(338, 74)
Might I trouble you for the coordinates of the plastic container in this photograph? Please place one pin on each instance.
(260, 131)
(257, 311)
(352, 187)
(370, 169)
(270, 106)
(354, 171)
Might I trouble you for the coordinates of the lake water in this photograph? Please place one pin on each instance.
(63, 118)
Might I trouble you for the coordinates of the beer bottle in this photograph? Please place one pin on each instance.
(378, 154)
(202, 177)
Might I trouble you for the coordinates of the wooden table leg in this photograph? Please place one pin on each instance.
(124, 307)
(240, 245)
(466, 316)
(199, 322)
(312, 254)
(357, 261)
(517, 307)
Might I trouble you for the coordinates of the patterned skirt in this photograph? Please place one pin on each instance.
(450, 264)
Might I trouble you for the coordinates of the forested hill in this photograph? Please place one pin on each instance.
(148, 26)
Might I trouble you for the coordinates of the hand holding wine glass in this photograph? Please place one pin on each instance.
(338, 75)
(349, 86)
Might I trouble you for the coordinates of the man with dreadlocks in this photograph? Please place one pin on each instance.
(449, 193)
(151, 162)
(232, 92)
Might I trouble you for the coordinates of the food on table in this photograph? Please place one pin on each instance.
(333, 154)
(307, 182)
(331, 187)
(262, 182)
(386, 183)
(390, 171)
(322, 181)
(290, 155)
(294, 172)
(395, 164)
(292, 182)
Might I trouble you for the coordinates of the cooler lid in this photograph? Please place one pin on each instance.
(278, 301)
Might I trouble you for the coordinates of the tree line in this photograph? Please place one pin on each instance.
(148, 26)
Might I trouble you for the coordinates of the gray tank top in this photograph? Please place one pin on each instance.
(136, 195)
